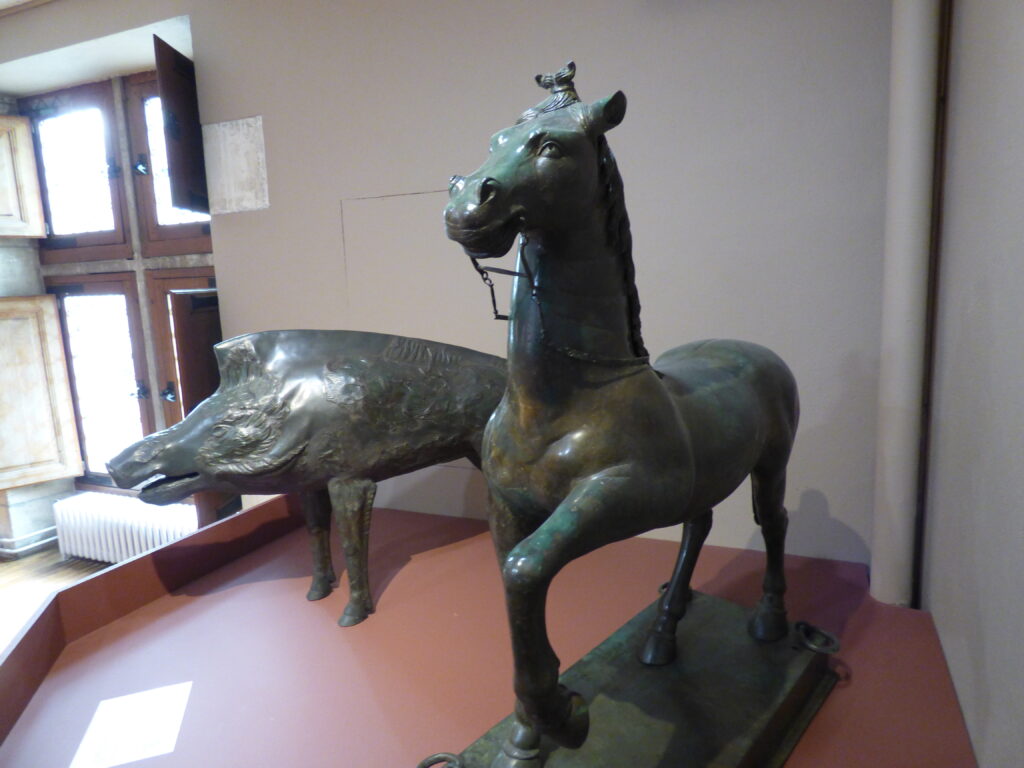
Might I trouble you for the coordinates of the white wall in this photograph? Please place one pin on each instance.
(975, 540)
(753, 154)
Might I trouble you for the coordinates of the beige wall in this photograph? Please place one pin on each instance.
(753, 154)
(975, 544)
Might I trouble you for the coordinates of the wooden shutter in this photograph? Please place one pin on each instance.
(176, 81)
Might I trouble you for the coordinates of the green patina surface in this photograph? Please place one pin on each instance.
(727, 701)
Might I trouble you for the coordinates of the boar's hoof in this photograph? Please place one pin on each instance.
(353, 615)
(319, 590)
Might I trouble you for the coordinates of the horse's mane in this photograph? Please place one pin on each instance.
(620, 238)
(617, 232)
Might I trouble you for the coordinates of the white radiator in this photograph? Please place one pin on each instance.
(112, 528)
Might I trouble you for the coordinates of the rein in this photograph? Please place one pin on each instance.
(575, 354)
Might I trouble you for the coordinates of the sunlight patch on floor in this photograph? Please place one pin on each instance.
(133, 727)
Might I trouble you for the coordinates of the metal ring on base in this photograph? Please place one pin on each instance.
(815, 639)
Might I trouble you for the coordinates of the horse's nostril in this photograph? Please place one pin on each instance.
(488, 189)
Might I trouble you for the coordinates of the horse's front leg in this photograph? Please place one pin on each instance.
(543, 705)
(509, 527)
(353, 502)
(595, 513)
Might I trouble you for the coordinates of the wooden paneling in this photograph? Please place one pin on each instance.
(38, 439)
(21, 205)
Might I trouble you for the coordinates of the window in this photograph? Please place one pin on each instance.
(102, 330)
(79, 133)
(77, 151)
(132, 273)
(135, 366)
(165, 228)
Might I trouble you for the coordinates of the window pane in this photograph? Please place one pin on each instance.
(166, 213)
(101, 357)
(74, 149)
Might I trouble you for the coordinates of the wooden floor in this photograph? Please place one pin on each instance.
(26, 582)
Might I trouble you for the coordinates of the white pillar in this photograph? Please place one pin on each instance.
(913, 72)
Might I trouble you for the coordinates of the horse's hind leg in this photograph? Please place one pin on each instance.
(316, 506)
(660, 646)
(769, 620)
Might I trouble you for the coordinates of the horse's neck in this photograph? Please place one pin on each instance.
(575, 313)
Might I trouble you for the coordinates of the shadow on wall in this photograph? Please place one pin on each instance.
(454, 490)
(739, 580)
(812, 529)
(834, 465)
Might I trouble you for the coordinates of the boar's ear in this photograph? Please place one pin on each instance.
(237, 362)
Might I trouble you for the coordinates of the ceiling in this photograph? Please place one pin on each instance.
(9, 6)
(118, 54)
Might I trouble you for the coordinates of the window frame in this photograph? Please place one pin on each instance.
(86, 246)
(156, 239)
(124, 284)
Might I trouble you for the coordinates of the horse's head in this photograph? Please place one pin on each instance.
(542, 174)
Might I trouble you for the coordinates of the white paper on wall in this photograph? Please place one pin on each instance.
(236, 165)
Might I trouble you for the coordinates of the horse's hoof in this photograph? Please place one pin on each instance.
(319, 591)
(659, 649)
(521, 749)
(505, 760)
(353, 616)
(572, 731)
(768, 623)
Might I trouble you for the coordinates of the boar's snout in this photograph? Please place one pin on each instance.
(136, 462)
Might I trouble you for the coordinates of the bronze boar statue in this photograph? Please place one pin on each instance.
(327, 414)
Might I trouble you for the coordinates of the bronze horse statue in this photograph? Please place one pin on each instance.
(590, 443)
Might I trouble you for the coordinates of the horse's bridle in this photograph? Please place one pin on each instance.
(575, 354)
(485, 275)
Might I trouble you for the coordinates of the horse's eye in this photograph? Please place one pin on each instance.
(551, 149)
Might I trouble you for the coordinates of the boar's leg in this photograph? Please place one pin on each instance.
(353, 502)
(316, 505)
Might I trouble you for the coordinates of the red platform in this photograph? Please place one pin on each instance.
(275, 682)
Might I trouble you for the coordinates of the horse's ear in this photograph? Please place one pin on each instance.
(607, 113)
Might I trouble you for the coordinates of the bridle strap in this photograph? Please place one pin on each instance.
(485, 275)
(575, 354)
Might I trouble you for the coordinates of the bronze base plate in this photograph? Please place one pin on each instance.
(727, 701)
